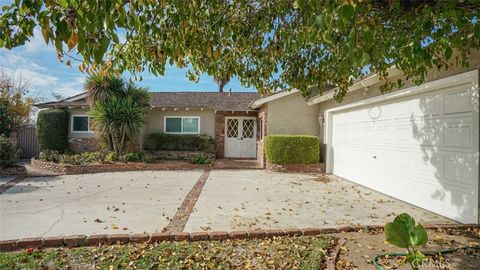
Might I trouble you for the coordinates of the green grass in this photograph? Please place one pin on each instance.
(277, 253)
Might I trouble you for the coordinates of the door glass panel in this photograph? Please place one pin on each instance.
(232, 128)
(248, 128)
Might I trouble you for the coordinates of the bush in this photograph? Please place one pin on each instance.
(292, 149)
(176, 142)
(9, 154)
(95, 157)
(52, 130)
(202, 160)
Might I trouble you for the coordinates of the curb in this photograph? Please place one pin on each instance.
(6, 186)
(94, 240)
(330, 263)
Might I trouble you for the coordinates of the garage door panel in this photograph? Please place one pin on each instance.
(422, 149)
(458, 100)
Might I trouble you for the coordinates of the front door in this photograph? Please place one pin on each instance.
(240, 137)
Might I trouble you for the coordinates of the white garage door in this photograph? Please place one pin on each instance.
(422, 149)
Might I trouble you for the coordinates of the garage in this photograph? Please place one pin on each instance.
(419, 145)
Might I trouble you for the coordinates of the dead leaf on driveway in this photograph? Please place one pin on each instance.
(97, 220)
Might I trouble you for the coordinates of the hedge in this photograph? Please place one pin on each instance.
(292, 149)
(177, 142)
(52, 130)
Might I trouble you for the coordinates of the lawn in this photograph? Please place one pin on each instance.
(276, 253)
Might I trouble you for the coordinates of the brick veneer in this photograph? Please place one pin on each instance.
(115, 167)
(183, 155)
(317, 167)
(79, 145)
(261, 128)
(94, 240)
(90, 144)
(220, 129)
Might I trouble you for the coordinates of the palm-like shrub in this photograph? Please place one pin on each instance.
(103, 87)
(122, 117)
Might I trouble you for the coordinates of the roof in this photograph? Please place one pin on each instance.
(226, 101)
(283, 93)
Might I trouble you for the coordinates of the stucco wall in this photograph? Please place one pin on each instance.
(155, 120)
(374, 91)
(292, 115)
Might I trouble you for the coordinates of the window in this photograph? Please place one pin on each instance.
(82, 123)
(182, 124)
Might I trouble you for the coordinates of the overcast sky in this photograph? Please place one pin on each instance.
(38, 63)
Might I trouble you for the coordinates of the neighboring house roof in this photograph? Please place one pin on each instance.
(226, 101)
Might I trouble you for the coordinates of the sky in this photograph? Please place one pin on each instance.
(38, 63)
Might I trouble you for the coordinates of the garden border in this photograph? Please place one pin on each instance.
(114, 167)
(93, 240)
(300, 168)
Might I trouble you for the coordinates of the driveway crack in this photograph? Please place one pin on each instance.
(55, 223)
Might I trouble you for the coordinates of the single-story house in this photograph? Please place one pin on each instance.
(419, 144)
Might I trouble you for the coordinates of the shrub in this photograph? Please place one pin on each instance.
(95, 157)
(292, 149)
(9, 154)
(176, 142)
(202, 160)
(52, 130)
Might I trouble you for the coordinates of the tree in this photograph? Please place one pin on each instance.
(267, 44)
(103, 87)
(221, 82)
(15, 107)
(120, 117)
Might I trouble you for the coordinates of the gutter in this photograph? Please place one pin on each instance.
(361, 84)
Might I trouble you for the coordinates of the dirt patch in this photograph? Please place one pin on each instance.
(361, 247)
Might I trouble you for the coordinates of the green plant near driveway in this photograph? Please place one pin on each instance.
(52, 130)
(175, 142)
(9, 154)
(292, 149)
(278, 253)
(403, 233)
(95, 157)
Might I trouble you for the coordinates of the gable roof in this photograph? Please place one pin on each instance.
(226, 101)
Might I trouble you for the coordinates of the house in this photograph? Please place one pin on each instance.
(419, 144)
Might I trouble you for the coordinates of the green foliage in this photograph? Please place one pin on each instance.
(267, 44)
(292, 149)
(95, 157)
(52, 129)
(9, 154)
(202, 160)
(403, 233)
(176, 142)
(119, 115)
(6, 121)
(103, 87)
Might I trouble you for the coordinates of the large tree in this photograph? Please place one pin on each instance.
(268, 44)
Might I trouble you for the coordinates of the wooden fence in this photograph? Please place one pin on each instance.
(27, 142)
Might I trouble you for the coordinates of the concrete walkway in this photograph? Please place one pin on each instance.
(137, 202)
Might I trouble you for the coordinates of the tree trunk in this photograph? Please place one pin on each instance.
(123, 142)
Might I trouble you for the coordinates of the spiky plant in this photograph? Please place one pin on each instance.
(102, 87)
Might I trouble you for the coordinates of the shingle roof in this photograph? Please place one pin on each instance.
(234, 101)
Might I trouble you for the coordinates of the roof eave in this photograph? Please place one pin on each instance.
(260, 102)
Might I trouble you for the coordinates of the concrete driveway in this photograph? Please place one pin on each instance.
(127, 202)
(137, 202)
(259, 199)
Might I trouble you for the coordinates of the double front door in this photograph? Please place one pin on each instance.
(240, 137)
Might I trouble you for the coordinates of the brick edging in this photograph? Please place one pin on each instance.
(114, 167)
(5, 186)
(298, 168)
(330, 262)
(93, 240)
(178, 222)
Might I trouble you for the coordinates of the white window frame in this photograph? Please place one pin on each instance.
(181, 126)
(80, 115)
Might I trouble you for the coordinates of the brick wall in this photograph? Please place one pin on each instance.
(183, 155)
(261, 133)
(220, 129)
(79, 145)
(15, 170)
(317, 167)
